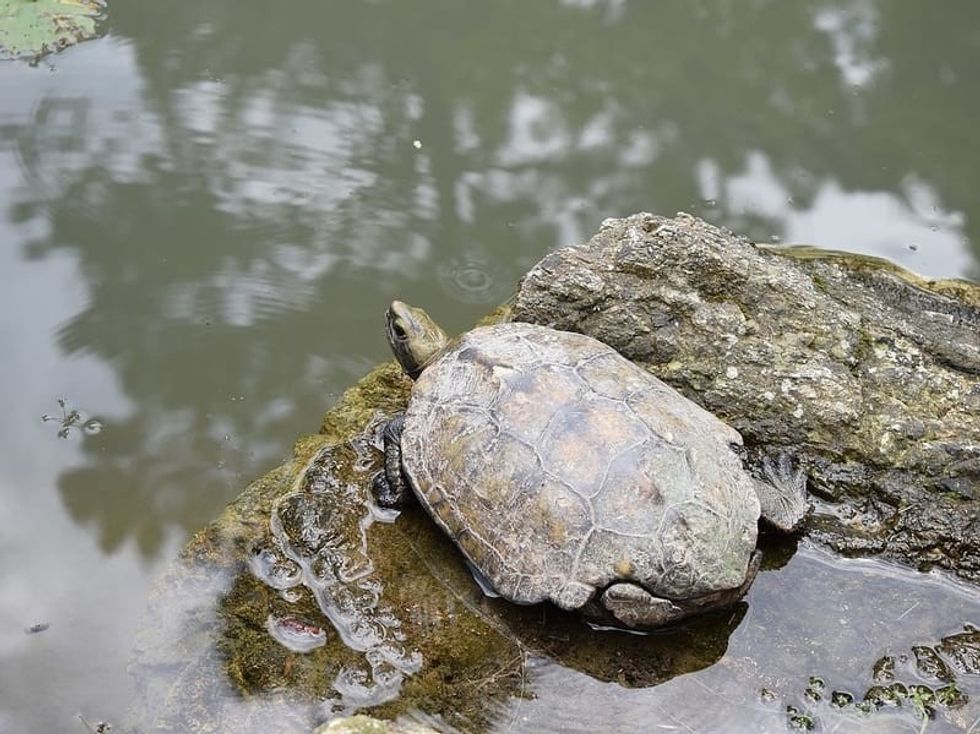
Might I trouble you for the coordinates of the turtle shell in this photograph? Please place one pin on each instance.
(559, 468)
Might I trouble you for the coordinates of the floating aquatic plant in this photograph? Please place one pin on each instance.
(29, 29)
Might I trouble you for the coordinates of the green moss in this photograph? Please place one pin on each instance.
(384, 390)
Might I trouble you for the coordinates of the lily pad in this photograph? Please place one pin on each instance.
(32, 28)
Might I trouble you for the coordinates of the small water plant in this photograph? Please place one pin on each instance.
(30, 29)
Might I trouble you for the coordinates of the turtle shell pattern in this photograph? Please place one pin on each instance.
(559, 467)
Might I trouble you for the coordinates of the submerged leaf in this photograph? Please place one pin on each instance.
(33, 28)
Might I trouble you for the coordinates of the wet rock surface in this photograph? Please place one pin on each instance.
(868, 374)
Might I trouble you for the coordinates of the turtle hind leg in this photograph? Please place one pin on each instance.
(389, 485)
(635, 607)
(782, 493)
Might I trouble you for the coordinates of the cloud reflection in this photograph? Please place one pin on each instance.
(909, 226)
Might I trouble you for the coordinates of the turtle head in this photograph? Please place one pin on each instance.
(413, 336)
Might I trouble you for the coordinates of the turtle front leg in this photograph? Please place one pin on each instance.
(390, 487)
(782, 493)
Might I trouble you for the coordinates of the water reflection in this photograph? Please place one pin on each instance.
(217, 197)
(915, 217)
(253, 187)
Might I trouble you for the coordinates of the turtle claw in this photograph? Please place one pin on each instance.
(389, 485)
(782, 493)
(384, 494)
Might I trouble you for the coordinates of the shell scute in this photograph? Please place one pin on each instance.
(583, 438)
(539, 537)
(525, 396)
(633, 480)
(605, 375)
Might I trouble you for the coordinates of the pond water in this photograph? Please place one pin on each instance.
(204, 212)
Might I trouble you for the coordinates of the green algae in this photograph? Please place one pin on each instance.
(924, 683)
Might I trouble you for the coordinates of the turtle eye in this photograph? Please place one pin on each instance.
(398, 330)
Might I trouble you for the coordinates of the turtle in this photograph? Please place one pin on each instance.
(566, 473)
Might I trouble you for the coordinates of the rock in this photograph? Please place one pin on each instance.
(866, 372)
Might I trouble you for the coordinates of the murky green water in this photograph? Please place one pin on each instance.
(203, 213)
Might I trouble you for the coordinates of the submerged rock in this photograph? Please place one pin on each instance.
(867, 373)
